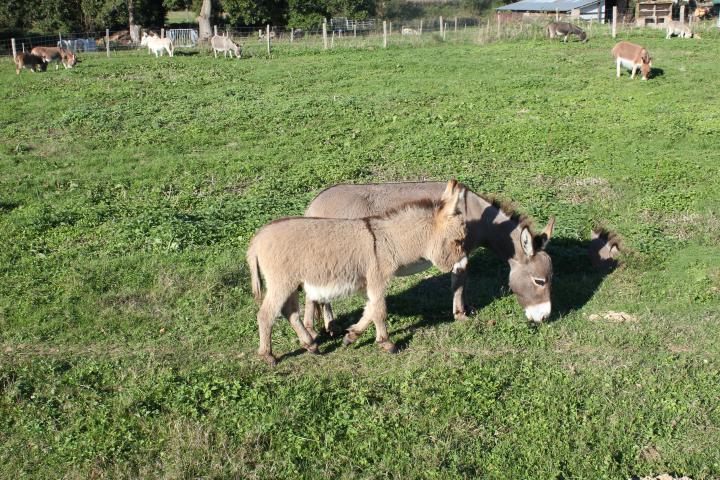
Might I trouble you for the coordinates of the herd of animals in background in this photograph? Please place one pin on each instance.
(626, 54)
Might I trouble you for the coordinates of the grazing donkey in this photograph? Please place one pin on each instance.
(225, 45)
(56, 54)
(603, 250)
(489, 224)
(679, 29)
(334, 257)
(565, 29)
(632, 56)
(30, 61)
(156, 44)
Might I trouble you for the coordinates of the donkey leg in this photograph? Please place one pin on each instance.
(618, 68)
(331, 326)
(309, 317)
(381, 334)
(291, 311)
(633, 72)
(460, 309)
(269, 310)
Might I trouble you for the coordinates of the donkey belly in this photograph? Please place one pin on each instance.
(413, 268)
(327, 293)
(629, 64)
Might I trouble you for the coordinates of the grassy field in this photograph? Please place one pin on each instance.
(130, 186)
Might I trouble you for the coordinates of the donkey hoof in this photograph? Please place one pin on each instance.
(460, 316)
(312, 348)
(269, 359)
(349, 338)
(389, 346)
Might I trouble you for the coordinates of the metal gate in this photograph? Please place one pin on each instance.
(183, 37)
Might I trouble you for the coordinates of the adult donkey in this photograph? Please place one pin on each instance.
(489, 223)
(334, 257)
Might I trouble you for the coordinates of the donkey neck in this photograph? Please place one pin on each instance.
(489, 226)
(402, 238)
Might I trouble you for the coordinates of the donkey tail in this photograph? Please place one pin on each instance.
(255, 281)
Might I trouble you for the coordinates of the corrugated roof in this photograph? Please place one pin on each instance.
(547, 5)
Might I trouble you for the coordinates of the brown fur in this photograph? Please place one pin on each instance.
(29, 61)
(56, 54)
(332, 257)
(491, 223)
(633, 54)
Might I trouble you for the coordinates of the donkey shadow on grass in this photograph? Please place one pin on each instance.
(575, 281)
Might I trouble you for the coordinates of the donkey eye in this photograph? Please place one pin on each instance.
(540, 282)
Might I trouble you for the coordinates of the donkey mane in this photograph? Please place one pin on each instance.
(509, 209)
(421, 204)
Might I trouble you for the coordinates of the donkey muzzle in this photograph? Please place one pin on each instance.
(539, 312)
(460, 266)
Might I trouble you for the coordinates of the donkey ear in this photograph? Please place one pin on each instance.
(449, 190)
(452, 203)
(526, 240)
(545, 235)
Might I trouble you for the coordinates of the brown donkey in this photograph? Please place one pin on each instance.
(489, 225)
(334, 257)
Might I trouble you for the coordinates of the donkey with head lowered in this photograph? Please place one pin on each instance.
(564, 29)
(489, 224)
(333, 257)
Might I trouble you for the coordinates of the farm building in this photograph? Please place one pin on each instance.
(584, 9)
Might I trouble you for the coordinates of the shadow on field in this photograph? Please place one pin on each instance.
(575, 282)
(190, 53)
(656, 72)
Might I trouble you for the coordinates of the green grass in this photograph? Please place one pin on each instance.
(130, 186)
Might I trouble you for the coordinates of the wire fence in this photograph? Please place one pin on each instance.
(334, 35)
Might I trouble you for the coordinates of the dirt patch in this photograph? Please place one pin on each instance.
(613, 317)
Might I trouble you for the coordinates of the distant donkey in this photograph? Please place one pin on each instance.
(334, 257)
(490, 224)
(680, 29)
(156, 44)
(632, 57)
(225, 45)
(56, 54)
(565, 29)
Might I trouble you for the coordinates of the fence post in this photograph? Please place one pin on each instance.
(384, 34)
(421, 26)
(60, 35)
(614, 25)
(12, 42)
(107, 42)
(325, 45)
(215, 30)
(267, 34)
(292, 35)
(441, 27)
(682, 14)
(354, 29)
(23, 47)
(498, 26)
(390, 28)
(455, 24)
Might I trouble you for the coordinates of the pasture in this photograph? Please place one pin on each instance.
(130, 186)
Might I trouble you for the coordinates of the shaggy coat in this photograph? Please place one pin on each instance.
(565, 29)
(334, 257)
(225, 45)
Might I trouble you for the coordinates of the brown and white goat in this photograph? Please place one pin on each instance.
(29, 61)
(632, 57)
(334, 257)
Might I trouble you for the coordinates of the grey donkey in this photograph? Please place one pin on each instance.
(490, 224)
(334, 257)
(565, 29)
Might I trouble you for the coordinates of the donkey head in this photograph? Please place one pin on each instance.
(646, 65)
(144, 39)
(71, 59)
(446, 248)
(531, 273)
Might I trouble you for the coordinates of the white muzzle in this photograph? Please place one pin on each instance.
(460, 266)
(538, 313)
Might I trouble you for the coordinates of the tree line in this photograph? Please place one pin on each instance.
(44, 16)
